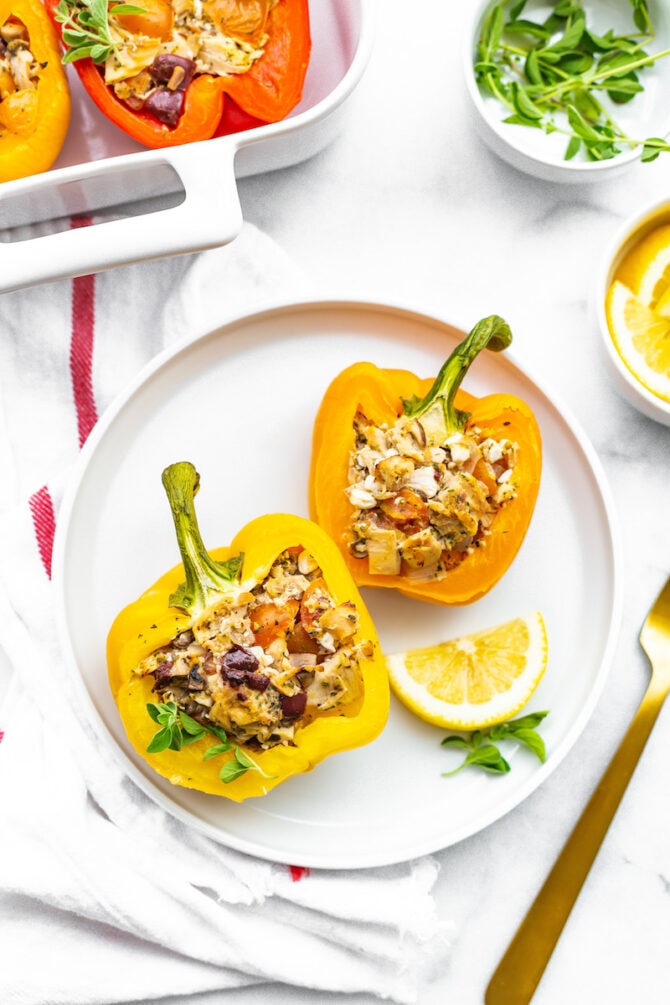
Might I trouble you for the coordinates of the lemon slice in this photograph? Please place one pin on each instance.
(475, 680)
(646, 268)
(641, 336)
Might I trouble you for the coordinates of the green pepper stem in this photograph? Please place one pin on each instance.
(490, 333)
(206, 580)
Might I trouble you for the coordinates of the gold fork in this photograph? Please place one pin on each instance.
(519, 972)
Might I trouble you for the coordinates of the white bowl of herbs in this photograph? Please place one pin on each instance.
(571, 90)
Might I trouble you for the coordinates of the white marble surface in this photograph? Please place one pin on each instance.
(408, 205)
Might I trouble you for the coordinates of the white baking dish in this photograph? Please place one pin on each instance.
(151, 203)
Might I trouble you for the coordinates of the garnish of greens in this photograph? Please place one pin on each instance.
(553, 73)
(85, 29)
(205, 582)
(177, 730)
(482, 749)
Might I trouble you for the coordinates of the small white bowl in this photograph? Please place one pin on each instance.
(543, 155)
(633, 230)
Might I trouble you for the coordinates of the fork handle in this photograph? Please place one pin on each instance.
(519, 972)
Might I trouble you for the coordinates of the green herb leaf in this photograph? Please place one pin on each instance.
(175, 737)
(160, 741)
(652, 149)
(523, 104)
(218, 732)
(456, 741)
(190, 725)
(573, 147)
(230, 771)
(244, 759)
(178, 730)
(533, 741)
(529, 721)
(487, 757)
(491, 33)
(154, 710)
(528, 28)
(482, 748)
(216, 750)
(86, 28)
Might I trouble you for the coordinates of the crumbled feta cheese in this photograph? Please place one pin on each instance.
(360, 498)
(459, 453)
(424, 480)
(492, 450)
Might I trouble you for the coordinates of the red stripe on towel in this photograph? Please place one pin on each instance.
(44, 522)
(298, 872)
(81, 346)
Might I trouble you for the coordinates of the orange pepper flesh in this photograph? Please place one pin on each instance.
(31, 140)
(379, 394)
(149, 623)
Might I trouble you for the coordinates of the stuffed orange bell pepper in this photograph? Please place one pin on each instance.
(257, 666)
(34, 96)
(160, 70)
(425, 488)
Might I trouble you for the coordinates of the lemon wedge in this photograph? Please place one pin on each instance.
(645, 270)
(641, 334)
(475, 680)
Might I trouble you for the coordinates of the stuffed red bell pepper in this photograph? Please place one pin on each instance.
(161, 69)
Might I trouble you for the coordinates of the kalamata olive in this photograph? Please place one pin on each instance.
(162, 676)
(163, 68)
(165, 105)
(235, 677)
(293, 705)
(257, 681)
(238, 658)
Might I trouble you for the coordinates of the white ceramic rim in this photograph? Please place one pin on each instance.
(630, 231)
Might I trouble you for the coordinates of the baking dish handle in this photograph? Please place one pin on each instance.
(207, 217)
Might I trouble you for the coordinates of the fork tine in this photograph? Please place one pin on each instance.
(658, 617)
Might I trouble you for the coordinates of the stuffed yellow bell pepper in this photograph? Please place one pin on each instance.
(34, 95)
(257, 666)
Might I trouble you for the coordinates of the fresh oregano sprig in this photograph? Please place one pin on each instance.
(482, 748)
(551, 74)
(85, 29)
(177, 730)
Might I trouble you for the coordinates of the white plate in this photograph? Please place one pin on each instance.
(239, 402)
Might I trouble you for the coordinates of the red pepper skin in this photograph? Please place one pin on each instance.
(203, 107)
(266, 93)
(273, 85)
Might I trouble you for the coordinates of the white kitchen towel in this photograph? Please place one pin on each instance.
(104, 897)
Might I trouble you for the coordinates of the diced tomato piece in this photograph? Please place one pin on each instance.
(270, 622)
